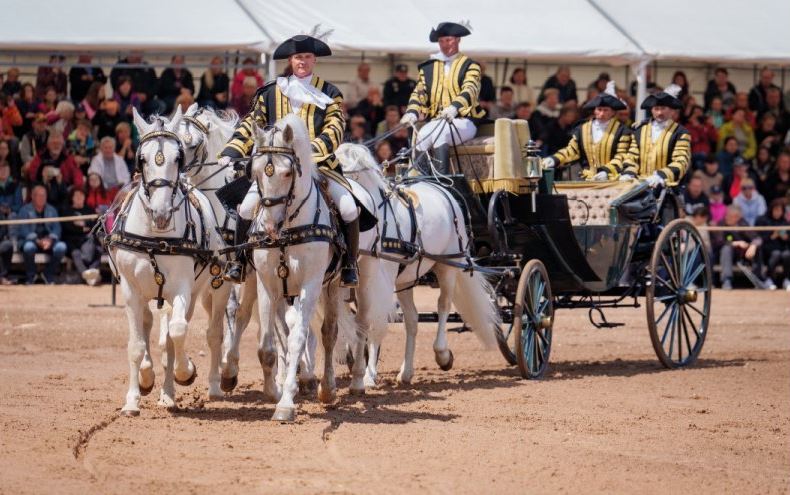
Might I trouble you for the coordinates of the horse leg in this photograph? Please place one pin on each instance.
(327, 389)
(243, 314)
(308, 383)
(147, 376)
(410, 321)
(267, 350)
(371, 368)
(447, 278)
(214, 304)
(184, 369)
(135, 349)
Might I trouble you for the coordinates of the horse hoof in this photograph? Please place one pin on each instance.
(228, 384)
(130, 413)
(189, 381)
(146, 390)
(449, 364)
(308, 387)
(284, 414)
(358, 392)
(327, 397)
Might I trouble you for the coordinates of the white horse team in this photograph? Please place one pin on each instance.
(166, 242)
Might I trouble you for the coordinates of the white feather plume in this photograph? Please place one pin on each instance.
(673, 90)
(610, 89)
(320, 34)
(467, 24)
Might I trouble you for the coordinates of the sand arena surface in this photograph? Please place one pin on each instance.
(607, 417)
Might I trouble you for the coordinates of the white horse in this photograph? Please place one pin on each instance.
(294, 230)
(437, 234)
(158, 216)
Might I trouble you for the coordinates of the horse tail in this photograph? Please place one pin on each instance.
(475, 301)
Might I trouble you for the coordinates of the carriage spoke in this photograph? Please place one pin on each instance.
(670, 270)
(543, 340)
(689, 305)
(669, 322)
(675, 259)
(690, 279)
(689, 264)
(692, 323)
(671, 325)
(665, 283)
(684, 317)
(678, 324)
(664, 313)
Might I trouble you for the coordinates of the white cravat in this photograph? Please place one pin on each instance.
(598, 129)
(657, 128)
(300, 92)
(448, 61)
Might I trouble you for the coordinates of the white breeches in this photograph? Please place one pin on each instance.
(340, 195)
(436, 133)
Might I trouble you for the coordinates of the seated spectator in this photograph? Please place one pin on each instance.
(391, 120)
(10, 191)
(694, 195)
(82, 75)
(94, 100)
(125, 144)
(398, 88)
(107, 120)
(730, 247)
(679, 78)
(732, 183)
(727, 155)
(10, 118)
(778, 183)
(384, 151)
(248, 69)
(372, 108)
(750, 201)
(143, 81)
(56, 169)
(12, 86)
(624, 116)
(214, 86)
(721, 87)
(703, 136)
(184, 100)
(717, 206)
(62, 119)
(28, 107)
(775, 107)
(546, 113)
(742, 103)
(716, 112)
(763, 165)
(487, 96)
(776, 245)
(80, 113)
(10, 157)
(35, 238)
(98, 198)
(52, 76)
(522, 93)
(562, 82)
(742, 132)
(504, 109)
(34, 141)
(49, 102)
(126, 98)
(557, 134)
(710, 174)
(523, 111)
(174, 81)
(767, 136)
(109, 165)
(758, 95)
(358, 130)
(700, 217)
(81, 145)
(650, 86)
(359, 87)
(80, 245)
(243, 100)
(400, 139)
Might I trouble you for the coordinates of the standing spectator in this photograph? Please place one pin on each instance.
(143, 79)
(35, 140)
(79, 243)
(371, 108)
(716, 112)
(742, 103)
(750, 201)
(523, 111)
(126, 144)
(487, 96)
(28, 107)
(391, 120)
(742, 132)
(126, 98)
(52, 76)
(214, 86)
(720, 86)
(505, 108)
(730, 247)
(776, 244)
(562, 81)
(242, 102)
(12, 86)
(717, 206)
(358, 88)
(521, 90)
(174, 81)
(778, 183)
(109, 165)
(107, 120)
(82, 75)
(98, 197)
(398, 88)
(759, 93)
(679, 78)
(56, 169)
(94, 99)
(547, 112)
(81, 145)
(248, 69)
(694, 195)
(40, 237)
(703, 135)
(62, 119)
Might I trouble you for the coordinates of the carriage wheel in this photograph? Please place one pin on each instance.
(533, 320)
(505, 336)
(678, 297)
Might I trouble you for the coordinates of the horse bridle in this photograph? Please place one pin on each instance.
(159, 160)
(201, 153)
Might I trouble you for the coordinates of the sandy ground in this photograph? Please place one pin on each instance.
(606, 418)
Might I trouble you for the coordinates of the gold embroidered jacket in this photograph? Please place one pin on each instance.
(607, 155)
(325, 126)
(435, 91)
(669, 156)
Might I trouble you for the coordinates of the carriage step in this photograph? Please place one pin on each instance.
(603, 323)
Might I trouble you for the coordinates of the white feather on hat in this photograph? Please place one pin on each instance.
(610, 89)
(673, 90)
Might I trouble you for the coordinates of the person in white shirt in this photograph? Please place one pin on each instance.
(358, 88)
(109, 165)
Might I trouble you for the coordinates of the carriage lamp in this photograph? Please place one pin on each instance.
(533, 170)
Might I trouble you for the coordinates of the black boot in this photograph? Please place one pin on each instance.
(442, 157)
(348, 274)
(234, 270)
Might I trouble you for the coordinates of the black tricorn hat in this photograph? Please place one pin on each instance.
(301, 43)
(606, 99)
(448, 29)
(666, 98)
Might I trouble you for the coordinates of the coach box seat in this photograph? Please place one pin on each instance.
(589, 203)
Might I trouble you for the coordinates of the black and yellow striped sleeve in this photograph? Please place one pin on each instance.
(242, 141)
(631, 160)
(466, 99)
(681, 156)
(615, 165)
(568, 154)
(418, 101)
(331, 135)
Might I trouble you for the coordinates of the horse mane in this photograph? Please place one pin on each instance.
(301, 140)
(358, 158)
(225, 120)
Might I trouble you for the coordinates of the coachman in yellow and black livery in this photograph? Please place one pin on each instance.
(320, 105)
(600, 144)
(660, 150)
(448, 87)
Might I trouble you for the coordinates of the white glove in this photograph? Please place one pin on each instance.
(224, 161)
(449, 112)
(408, 119)
(547, 162)
(601, 176)
(655, 180)
(626, 178)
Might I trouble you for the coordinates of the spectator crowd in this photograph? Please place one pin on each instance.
(67, 147)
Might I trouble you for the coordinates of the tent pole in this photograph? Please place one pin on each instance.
(640, 69)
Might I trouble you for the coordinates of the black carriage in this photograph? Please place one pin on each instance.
(553, 245)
